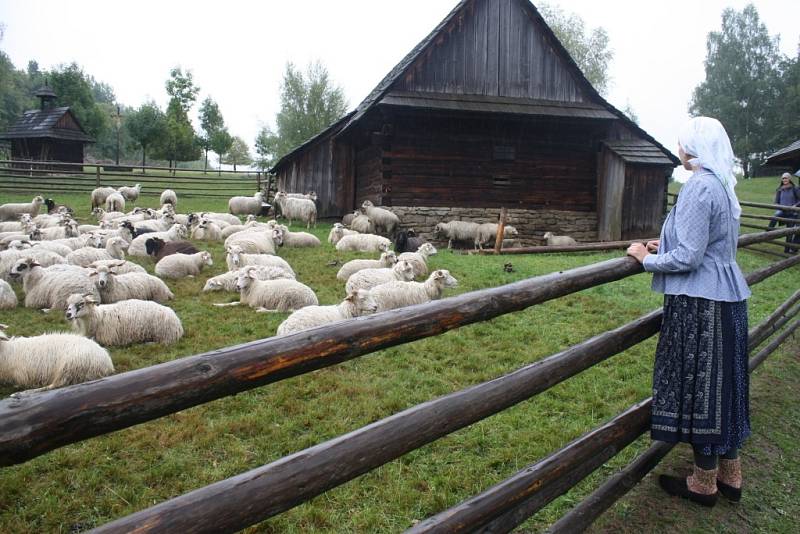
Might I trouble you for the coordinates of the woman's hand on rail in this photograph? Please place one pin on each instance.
(638, 251)
(652, 246)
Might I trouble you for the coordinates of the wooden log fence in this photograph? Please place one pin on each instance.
(758, 205)
(289, 481)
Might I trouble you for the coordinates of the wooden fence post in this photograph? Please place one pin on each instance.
(97, 175)
(258, 181)
(501, 229)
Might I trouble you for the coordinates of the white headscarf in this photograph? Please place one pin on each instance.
(705, 139)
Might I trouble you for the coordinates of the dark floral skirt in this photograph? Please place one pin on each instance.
(700, 380)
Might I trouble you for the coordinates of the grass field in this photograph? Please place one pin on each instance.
(90, 483)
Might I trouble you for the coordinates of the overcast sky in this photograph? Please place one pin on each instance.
(237, 50)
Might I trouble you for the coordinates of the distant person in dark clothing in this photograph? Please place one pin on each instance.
(787, 194)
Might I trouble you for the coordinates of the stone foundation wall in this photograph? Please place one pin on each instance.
(531, 224)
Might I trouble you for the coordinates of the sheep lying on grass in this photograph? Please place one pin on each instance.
(157, 248)
(120, 266)
(47, 288)
(487, 233)
(45, 258)
(257, 240)
(383, 219)
(298, 239)
(559, 240)
(227, 281)
(419, 259)
(369, 278)
(246, 205)
(400, 294)
(348, 219)
(407, 241)
(237, 259)
(83, 257)
(11, 212)
(8, 299)
(271, 295)
(115, 287)
(338, 232)
(51, 361)
(124, 322)
(387, 260)
(183, 265)
(138, 246)
(356, 304)
(363, 243)
(297, 208)
(207, 230)
(457, 231)
(168, 196)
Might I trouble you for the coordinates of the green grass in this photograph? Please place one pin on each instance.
(90, 483)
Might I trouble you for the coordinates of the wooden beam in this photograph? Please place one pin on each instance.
(581, 247)
(759, 358)
(501, 228)
(759, 205)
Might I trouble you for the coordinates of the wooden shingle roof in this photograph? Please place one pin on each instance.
(638, 151)
(46, 123)
(785, 154)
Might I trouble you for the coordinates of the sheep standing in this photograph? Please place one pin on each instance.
(124, 322)
(362, 224)
(131, 193)
(383, 219)
(114, 250)
(8, 299)
(487, 233)
(115, 287)
(386, 261)
(246, 205)
(51, 360)
(47, 288)
(237, 259)
(457, 231)
(168, 196)
(272, 295)
(297, 208)
(356, 304)
(400, 294)
(348, 219)
(363, 243)
(559, 240)
(369, 278)
(11, 212)
(227, 281)
(115, 202)
(183, 265)
(419, 259)
(99, 196)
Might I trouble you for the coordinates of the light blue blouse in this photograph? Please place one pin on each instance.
(697, 253)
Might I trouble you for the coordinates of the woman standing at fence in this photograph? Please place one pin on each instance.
(700, 379)
(787, 194)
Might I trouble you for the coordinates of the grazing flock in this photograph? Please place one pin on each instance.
(81, 271)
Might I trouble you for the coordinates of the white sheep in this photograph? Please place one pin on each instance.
(51, 361)
(399, 294)
(15, 226)
(363, 243)
(559, 240)
(115, 202)
(297, 208)
(236, 228)
(8, 299)
(338, 232)
(183, 265)
(298, 239)
(120, 266)
(224, 217)
(487, 233)
(256, 240)
(362, 224)
(456, 231)
(237, 258)
(99, 196)
(124, 322)
(50, 287)
(419, 259)
(281, 295)
(69, 229)
(246, 205)
(53, 246)
(356, 304)
(227, 281)
(369, 278)
(11, 212)
(163, 223)
(131, 193)
(114, 287)
(168, 196)
(207, 230)
(45, 258)
(85, 256)
(138, 245)
(383, 219)
(347, 219)
(387, 260)
(106, 216)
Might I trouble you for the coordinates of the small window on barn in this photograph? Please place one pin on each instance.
(501, 181)
(504, 153)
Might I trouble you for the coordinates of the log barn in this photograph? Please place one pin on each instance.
(489, 111)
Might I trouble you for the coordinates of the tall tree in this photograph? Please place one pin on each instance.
(179, 142)
(589, 48)
(266, 148)
(180, 87)
(787, 129)
(741, 85)
(211, 121)
(221, 143)
(238, 153)
(309, 104)
(147, 126)
(75, 89)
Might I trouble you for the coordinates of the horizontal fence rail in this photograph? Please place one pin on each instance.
(758, 205)
(604, 245)
(289, 481)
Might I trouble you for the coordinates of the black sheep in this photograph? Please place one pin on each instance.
(157, 248)
(407, 241)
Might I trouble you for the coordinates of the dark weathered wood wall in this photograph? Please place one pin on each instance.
(313, 170)
(493, 48)
(610, 190)
(643, 200)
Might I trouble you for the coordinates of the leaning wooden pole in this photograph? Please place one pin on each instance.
(501, 231)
